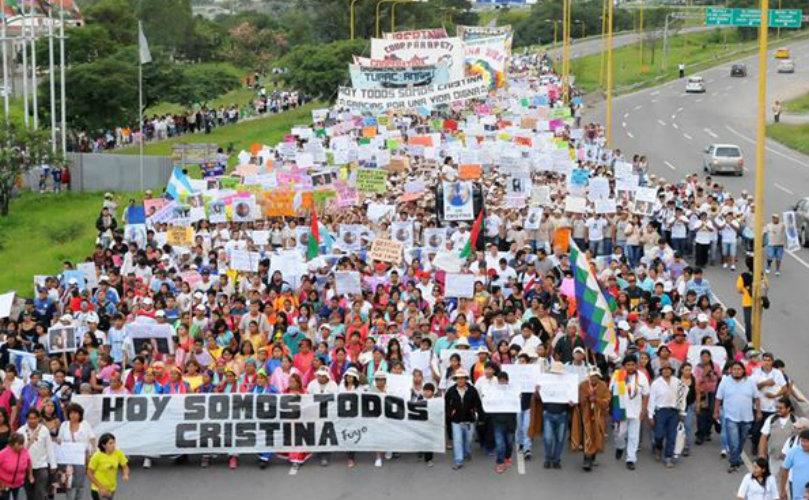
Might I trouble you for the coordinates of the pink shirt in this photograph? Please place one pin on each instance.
(13, 466)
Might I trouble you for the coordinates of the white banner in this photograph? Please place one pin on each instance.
(381, 100)
(421, 52)
(347, 282)
(255, 423)
(556, 388)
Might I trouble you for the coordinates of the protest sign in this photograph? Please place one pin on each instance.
(364, 77)
(599, 189)
(793, 242)
(385, 250)
(6, 301)
(279, 204)
(425, 34)
(69, 453)
(488, 57)
(500, 398)
(556, 388)
(468, 358)
(182, 236)
(402, 231)
(347, 282)
(192, 277)
(25, 362)
(349, 238)
(719, 354)
(157, 338)
(377, 101)
(435, 238)
(61, 339)
(458, 201)
(470, 172)
(398, 164)
(243, 260)
(523, 377)
(422, 51)
(606, 206)
(575, 204)
(371, 180)
(460, 285)
(257, 423)
(534, 218)
(399, 384)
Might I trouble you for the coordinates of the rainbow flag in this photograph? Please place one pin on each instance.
(595, 315)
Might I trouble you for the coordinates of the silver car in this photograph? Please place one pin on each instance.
(802, 221)
(786, 66)
(723, 158)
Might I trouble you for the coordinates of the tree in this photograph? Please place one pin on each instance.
(116, 17)
(318, 70)
(20, 151)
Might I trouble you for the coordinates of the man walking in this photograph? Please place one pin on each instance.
(554, 425)
(630, 397)
(588, 427)
(776, 240)
(771, 385)
(736, 397)
(667, 405)
(463, 408)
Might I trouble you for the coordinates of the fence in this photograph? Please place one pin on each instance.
(106, 172)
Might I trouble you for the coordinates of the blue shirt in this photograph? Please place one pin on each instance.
(737, 398)
(703, 287)
(797, 461)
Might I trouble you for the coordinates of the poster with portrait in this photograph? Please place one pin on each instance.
(435, 238)
(458, 201)
(402, 231)
(349, 239)
(642, 207)
(519, 185)
(151, 336)
(793, 242)
(302, 237)
(243, 209)
(534, 218)
(61, 339)
(217, 212)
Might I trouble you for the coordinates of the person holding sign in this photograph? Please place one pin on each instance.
(554, 427)
(504, 426)
(588, 428)
(463, 406)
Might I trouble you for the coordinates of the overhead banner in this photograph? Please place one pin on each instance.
(422, 52)
(381, 100)
(467, 33)
(488, 58)
(395, 78)
(257, 423)
(428, 34)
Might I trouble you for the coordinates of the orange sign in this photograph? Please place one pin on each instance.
(470, 172)
(369, 132)
(279, 203)
(421, 140)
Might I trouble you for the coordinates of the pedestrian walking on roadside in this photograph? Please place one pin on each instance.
(776, 240)
(776, 111)
(736, 396)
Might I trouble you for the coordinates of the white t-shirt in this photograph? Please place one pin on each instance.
(637, 387)
(595, 229)
(750, 489)
(768, 404)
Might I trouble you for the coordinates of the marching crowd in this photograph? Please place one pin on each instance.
(269, 332)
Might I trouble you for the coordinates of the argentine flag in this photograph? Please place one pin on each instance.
(178, 185)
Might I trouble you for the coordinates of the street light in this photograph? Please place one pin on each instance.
(583, 27)
(351, 18)
(554, 21)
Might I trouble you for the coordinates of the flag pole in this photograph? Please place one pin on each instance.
(6, 87)
(52, 82)
(140, 118)
(34, 67)
(24, 64)
(62, 74)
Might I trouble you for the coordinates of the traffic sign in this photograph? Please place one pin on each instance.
(779, 18)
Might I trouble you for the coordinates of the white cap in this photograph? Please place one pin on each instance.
(72, 281)
(91, 318)
(623, 325)
(147, 301)
(66, 318)
(667, 309)
(702, 318)
(160, 314)
(462, 342)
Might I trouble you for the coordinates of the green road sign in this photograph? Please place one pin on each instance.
(779, 18)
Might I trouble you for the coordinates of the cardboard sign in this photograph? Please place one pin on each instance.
(386, 251)
(460, 285)
(370, 180)
(398, 164)
(347, 282)
(555, 388)
(182, 236)
(500, 398)
(470, 172)
(279, 204)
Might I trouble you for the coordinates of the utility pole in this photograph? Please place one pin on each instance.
(609, 74)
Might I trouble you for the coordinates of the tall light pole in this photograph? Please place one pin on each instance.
(554, 21)
(63, 128)
(609, 74)
(351, 18)
(24, 65)
(34, 68)
(565, 36)
(640, 33)
(4, 36)
(52, 82)
(761, 136)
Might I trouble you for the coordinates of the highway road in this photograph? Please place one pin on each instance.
(589, 46)
(672, 129)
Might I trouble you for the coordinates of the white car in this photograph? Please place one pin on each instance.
(695, 84)
(786, 66)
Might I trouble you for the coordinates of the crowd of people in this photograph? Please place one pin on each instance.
(274, 332)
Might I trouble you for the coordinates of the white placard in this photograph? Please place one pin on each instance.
(435, 238)
(648, 195)
(159, 336)
(243, 260)
(524, 377)
(71, 453)
(554, 388)
(605, 206)
(459, 285)
(6, 301)
(500, 398)
(399, 384)
(347, 282)
(534, 218)
(598, 189)
(575, 204)
(718, 354)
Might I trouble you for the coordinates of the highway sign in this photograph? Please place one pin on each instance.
(779, 18)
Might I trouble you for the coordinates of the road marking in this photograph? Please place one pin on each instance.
(623, 124)
(679, 109)
(803, 262)
(675, 125)
(661, 122)
(656, 92)
(654, 100)
(630, 134)
(782, 188)
(520, 464)
(626, 115)
(674, 116)
(637, 107)
(687, 136)
(710, 132)
(670, 165)
(768, 148)
(699, 100)
(729, 87)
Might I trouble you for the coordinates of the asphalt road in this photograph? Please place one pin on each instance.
(593, 45)
(673, 128)
(702, 475)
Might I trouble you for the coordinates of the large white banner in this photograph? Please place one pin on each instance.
(427, 34)
(488, 57)
(255, 423)
(421, 52)
(428, 96)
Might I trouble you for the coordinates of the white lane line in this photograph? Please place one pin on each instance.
(687, 136)
(661, 122)
(637, 107)
(630, 134)
(626, 115)
(670, 165)
(679, 109)
(782, 188)
(675, 125)
(768, 148)
(623, 124)
(520, 464)
(710, 132)
(729, 87)
(800, 260)
(699, 100)
(654, 93)
(674, 116)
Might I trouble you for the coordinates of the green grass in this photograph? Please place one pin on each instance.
(698, 51)
(267, 130)
(799, 104)
(42, 231)
(795, 136)
(486, 16)
(241, 96)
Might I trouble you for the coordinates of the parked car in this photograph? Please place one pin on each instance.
(782, 53)
(802, 220)
(786, 66)
(738, 70)
(695, 84)
(723, 158)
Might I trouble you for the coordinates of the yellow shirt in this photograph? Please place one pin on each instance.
(105, 467)
(193, 382)
(747, 300)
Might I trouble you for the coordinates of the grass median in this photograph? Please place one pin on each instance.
(791, 135)
(699, 51)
